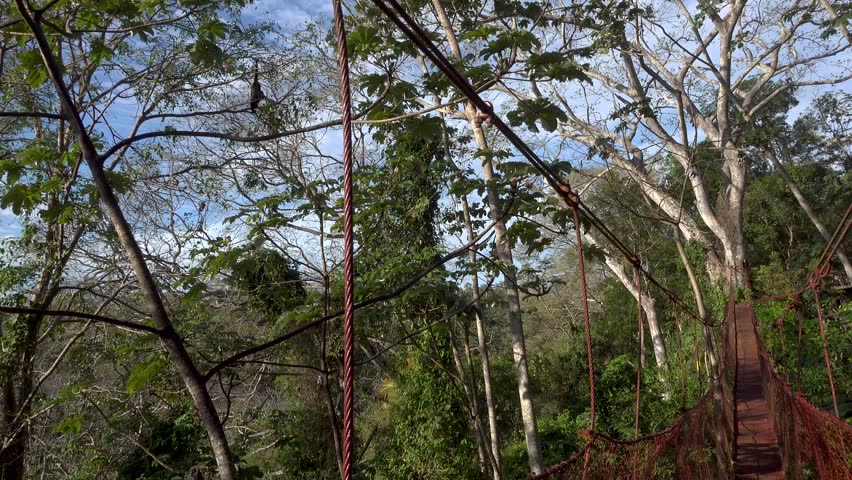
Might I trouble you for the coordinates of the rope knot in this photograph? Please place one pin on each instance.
(484, 115)
(635, 261)
(819, 273)
(571, 198)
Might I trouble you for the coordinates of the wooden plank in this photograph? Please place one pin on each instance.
(757, 454)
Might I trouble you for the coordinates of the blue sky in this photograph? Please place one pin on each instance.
(290, 12)
(9, 226)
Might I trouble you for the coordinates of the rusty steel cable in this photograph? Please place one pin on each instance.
(825, 349)
(641, 338)
(348, 250)
(588, 330)
(409, 27)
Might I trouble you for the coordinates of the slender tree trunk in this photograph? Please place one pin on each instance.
(471, 394)
(194, 381)
(18, 386)
(489, 397)
(504, 254)
(806, 207)
(649, 305)
(482, 342)
(712, 359)
(702, 310)
(516, 327)
(492, 459)
(326, 385)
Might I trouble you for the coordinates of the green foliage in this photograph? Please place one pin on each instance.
(528, 112)
(143, 373)
(559, 66)
(428, 438)
(558, 436)
(269, 280)
(177, 440)
(303, 448)
(805, 364)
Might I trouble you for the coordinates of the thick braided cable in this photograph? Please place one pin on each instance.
(825, 348)
(348, 251)
(681, 359)
(588, 329)
(639, 359)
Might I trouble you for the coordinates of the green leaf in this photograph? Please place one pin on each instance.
(142, 373)
(194, 293)
(119, 181)
(206, 52)
(213, 29)
(556, 65)
(363, 41)
(33, 66)
(540, 109)
(99, 52)
(71, 424)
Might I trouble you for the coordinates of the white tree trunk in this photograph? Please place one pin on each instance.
(649, 305)
(504, 254)
(806, 207)
(516, 327)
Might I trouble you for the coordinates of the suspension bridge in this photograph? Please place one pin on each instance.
(750, 423)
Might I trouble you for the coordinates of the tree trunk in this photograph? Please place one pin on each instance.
(489, 397)
(806, 207)
(194, 381)
(473, 403)
(482, 343)
(504, 254)
(713, 359)
(649, 305)
(513, 299)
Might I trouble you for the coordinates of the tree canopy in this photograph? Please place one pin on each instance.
(171, 251)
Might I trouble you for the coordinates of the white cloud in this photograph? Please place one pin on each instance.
(9, 225)
(289, 12)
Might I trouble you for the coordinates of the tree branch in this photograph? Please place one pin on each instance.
(83, 315)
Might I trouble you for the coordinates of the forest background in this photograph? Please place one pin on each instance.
(170, 262)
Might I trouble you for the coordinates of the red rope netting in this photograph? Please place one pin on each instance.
(682, 451)
(693, 447)
(696, 446)
(812, 441)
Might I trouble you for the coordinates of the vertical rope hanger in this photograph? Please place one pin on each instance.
(348, 249)
(821, 319)
(639, 355)
(586, 324)
(638, 274)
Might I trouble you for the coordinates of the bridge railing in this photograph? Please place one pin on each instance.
(681, 451)
(698, 445)
(814, 443)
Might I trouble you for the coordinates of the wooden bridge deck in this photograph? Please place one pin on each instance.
(757, 452)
